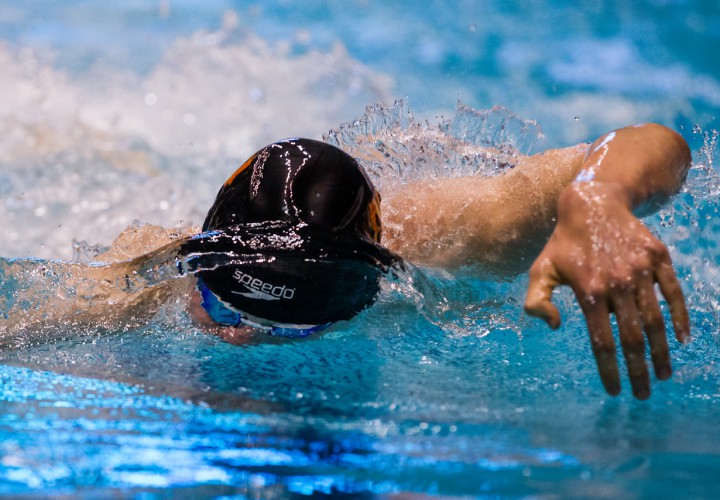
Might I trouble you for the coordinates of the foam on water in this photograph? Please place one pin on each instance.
(83, 155)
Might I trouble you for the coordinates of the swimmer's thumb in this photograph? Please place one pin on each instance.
(545, 311)
(538, 302)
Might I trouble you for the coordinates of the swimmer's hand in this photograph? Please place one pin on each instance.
(612, 262)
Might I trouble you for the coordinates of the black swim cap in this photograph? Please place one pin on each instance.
(293, 238)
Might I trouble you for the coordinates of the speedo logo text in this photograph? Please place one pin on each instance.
(262, 290)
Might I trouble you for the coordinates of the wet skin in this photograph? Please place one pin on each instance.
(572, 211)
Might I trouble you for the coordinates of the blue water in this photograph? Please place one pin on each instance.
(138, 110)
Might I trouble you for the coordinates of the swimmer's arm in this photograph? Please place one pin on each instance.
(503, 222)
(599, 247)
(77, 299)
(500, 223)
(610, 259)
(122, 294)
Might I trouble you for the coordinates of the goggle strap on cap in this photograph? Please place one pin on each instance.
(226, 315)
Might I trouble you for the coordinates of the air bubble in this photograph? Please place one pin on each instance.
(151, 99)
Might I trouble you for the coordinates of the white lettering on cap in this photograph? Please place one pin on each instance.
(261, 290)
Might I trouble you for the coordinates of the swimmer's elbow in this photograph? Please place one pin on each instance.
(671, 145)
(675, 157)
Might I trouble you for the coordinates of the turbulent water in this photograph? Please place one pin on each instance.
(84, 155)
(443, 382)
(444, 387)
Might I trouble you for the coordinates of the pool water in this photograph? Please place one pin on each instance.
(116, 112)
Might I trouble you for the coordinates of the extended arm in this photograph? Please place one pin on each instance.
(586, 197)
(609, 257)
(59, 297)
(498, 222)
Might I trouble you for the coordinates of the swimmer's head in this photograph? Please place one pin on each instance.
(299, 180)
(292, 240)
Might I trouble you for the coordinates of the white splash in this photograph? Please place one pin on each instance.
(82, 156)
(393, 146)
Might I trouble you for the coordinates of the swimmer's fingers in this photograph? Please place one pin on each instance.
(543, 280)
(670, 288)
(633, 343)
(597, 315)
(654, 325)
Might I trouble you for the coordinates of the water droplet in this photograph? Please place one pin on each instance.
(151, 99)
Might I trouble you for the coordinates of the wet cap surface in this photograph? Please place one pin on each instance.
(292, 237)
(291, 274)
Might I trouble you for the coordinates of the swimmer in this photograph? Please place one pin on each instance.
(293, 241)
(296, 233)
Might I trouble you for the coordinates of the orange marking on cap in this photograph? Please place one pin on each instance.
(245, 165)
(374, 217)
